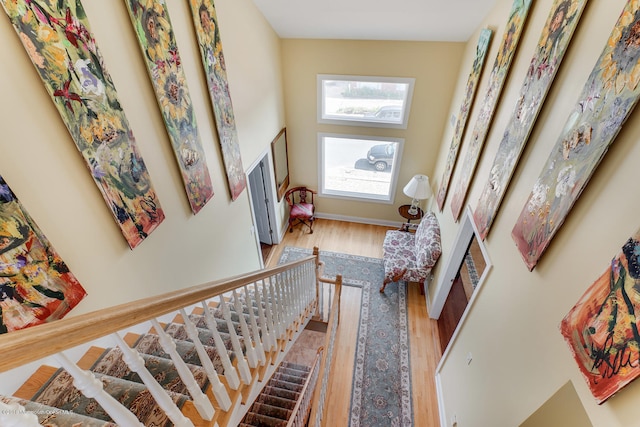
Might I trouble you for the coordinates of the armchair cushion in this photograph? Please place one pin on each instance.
(302, 210)
(409, 256)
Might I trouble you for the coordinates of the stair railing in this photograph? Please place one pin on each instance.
(285, 295)
(320, 393)
(300, 412)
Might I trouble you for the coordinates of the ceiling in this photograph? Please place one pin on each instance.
(410, 20)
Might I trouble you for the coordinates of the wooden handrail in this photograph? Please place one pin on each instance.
(325, 363)
(31, 344)
(306, 388)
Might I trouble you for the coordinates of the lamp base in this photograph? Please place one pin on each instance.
(413, 210)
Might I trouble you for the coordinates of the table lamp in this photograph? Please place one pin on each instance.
(418, 189)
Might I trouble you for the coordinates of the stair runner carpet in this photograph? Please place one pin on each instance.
(274, 406)
(54, 417)
(59, 392)
(62, 404)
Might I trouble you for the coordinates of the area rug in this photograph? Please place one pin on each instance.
(381, 392)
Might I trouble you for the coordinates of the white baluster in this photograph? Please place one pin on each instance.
(200, 400)
(277, 308)
(91, 387)
(243, 366)
(296, 291)
(287, 299)
(250, 351)
(269, 308)
(311, 285)
(15, 415)
(254, 327)
(264, 324)
(230, 372)
(135, 362)
(219, 392)
(282, 301)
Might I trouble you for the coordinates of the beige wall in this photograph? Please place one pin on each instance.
(43, 167)
(433, 65)
(519, 356)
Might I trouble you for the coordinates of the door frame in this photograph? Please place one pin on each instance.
(465, 233)
(270, 189)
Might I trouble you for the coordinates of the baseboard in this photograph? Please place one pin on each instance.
(440, 396)
(358, 220)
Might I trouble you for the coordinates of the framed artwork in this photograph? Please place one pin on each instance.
(208, 34)
(280, 162)
(601, 329)
(461, 121)
(515, 26)
(58, 39)
(152, 25)
(36, 286)
(547, 57)
(608, 97)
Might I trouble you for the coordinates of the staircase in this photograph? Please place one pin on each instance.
(219, 364)
(275, 405)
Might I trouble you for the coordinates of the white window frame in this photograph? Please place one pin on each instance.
(364, 121)
(386, 199)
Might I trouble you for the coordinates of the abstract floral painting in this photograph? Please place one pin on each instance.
(514, 28)
(601, 329)
(547, 57)
(208, 33)
(57, 37)
(36, 286)
(152, 25)
(461, 121)
(608, 97)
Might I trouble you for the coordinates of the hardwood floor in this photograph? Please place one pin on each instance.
(366, 240)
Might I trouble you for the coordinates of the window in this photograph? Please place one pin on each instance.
(364, 101)
(359, 167)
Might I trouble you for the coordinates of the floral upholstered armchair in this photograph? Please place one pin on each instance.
(410, 257)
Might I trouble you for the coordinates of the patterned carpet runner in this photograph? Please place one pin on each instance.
(274, 406)
(381, 392)
(59, 392)
(54, 417)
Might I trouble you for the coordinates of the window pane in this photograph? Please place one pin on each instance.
(359, 167)
(364, 101)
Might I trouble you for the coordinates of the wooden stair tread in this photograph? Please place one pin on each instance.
(90, 357)
(35, 382)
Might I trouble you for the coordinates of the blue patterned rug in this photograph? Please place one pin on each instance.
(381, 393)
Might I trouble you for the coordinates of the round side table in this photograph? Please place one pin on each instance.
(404, 213)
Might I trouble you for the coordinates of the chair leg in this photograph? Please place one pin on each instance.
(384, 285)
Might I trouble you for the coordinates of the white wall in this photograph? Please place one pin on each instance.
(43, 167)
(519, 356)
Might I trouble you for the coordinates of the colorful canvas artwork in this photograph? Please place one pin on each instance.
(601, 329)
(461, 121)
(208, 34)
(58, 39)
(153, 27)
(552, 45)
(515, 26)
(36, 286)
(607, 99)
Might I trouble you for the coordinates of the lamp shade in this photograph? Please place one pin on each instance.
(418, 188)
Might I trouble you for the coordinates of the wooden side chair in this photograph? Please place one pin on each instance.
(301, 207)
